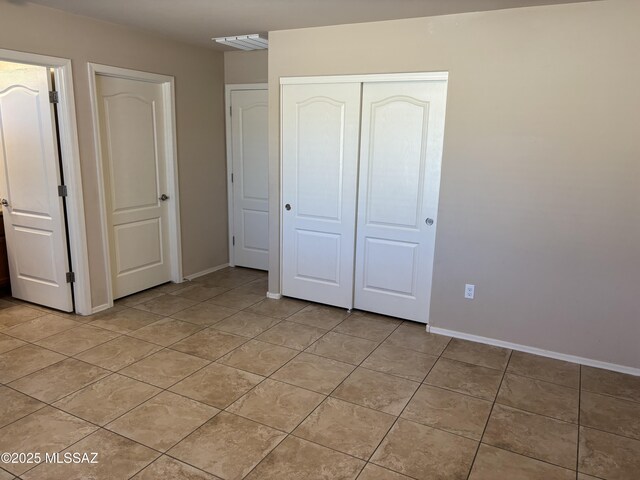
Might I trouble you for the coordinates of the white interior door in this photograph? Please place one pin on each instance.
(400, 160)
(33, 213)
(250, 153)
(134, 157)
(320, 125)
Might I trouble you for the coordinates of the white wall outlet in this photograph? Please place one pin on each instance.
(469, 291)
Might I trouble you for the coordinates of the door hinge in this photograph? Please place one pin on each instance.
(62, 190)
(230, 111)
(53, 97)
(233, 240)
(232, 178)
(71, 277)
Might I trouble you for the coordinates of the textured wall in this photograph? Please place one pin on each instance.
(199, 75)
(540, 202)
(245, 67)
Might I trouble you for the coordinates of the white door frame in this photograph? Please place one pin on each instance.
(70, 160)
(228, 89)
(168, 94)
(360, 78)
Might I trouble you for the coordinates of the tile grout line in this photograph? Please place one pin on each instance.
(110, 373)
(26, 415)
(537, 379)
(168, 347)
(524, 454)
(285, 432)
(633, 439)
(99, 427)
(421, 383)
(162, 348)
(484, 430)
(520, 409)
(63, 448)
(347, 377)
(321, 356)
(579, 424)
(66, 330)
(251, 389)
(167, 389)
(78, 353)
(219, 409)
(395, 422)
(217, 360)
(287, 362)
(345, 401)
(320, 404)
(555, 465)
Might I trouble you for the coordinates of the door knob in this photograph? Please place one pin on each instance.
(4, 202)
(429, 221)
(287, 207)
(164, 197)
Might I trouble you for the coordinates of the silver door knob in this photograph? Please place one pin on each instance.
(287, 207)
(164, 197)
(4, 202)
(429, 221)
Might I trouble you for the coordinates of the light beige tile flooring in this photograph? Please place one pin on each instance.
(210, 380)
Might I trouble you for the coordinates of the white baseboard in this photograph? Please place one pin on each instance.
(537, 351)
(100, 308)
(206, 272)
(274, 296)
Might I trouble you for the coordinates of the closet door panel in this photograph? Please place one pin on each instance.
(320, 127)
(390, 266)
(395, 161)
(400, 159)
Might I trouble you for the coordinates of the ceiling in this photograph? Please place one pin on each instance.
(197, 21)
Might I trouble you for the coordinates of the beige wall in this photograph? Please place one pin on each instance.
(540, 198)
(245, 67)
(200, 119)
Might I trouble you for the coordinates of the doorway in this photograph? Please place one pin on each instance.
(135, 148)
(248, 171)
(39, 180)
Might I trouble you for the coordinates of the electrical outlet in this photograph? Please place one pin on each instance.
(469, 291)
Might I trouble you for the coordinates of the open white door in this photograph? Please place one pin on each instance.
(250, 153)
(33, 212)
(133, 146)
(400, 162)
(320, 126)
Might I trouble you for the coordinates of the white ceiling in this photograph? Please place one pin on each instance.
(197, 21)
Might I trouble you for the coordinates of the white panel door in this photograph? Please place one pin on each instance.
(33, 212)
(131, 117)
(320, 125)
(400, 159)
(250, 153)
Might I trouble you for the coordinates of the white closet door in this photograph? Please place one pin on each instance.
(320, 126)
(29, 177)
(400, 159)
(250, 178)
(131, 114)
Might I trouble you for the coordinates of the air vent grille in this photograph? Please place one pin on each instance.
(244, 42)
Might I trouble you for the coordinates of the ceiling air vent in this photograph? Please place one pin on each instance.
(244, 42)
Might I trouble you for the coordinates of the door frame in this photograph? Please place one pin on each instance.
(228, 89)
(356, 78)
(68, 139)
(168, 95)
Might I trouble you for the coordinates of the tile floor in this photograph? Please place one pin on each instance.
(209, 380)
